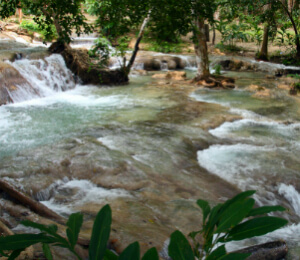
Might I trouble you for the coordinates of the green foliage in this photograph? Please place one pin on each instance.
(165, 47)
(121, 48)
(179, 248)
(100, 234)
(230, 48)
(49, 236)
(65, 15)
(217, 69)
(233, 32)
(32, 26)
(100, 50)
(8, 8)
(236, 219)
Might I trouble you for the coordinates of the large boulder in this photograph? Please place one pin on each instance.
(159, 62)
(237, 65)
(13, 86)
(79, 62)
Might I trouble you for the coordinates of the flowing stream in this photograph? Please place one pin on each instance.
(150, 150)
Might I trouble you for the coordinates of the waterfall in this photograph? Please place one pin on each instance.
(27, 79)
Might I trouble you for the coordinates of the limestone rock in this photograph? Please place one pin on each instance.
(13, 84)
(263, 93)
(284, 86)
(237, 65)
(174, 75)
(254, 88)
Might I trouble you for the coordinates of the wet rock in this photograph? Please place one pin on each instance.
(11, 83)
(79, 62)
(254, 88)
(286, 71)
(159, 76)
(237, 65)
(269, 251)
(265, 93)
(174, 75)
(139, 72)
(284, 86)
(159, 62)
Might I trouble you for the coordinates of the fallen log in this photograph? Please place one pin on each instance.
(22, 213)
(5, 230)
(34, 205)
(275, 250)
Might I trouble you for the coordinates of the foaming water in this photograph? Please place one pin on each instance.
(46, 76)
(292, 195)
(80, 192)
(262, 156)
(42, 120)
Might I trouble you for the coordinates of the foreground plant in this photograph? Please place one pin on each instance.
(236, 219)
(49, 236)
(221, 224)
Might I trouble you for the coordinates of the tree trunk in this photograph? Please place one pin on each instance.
(201, 49)
(263, 55)
(136, 46)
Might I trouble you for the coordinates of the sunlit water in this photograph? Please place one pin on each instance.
(79, 149)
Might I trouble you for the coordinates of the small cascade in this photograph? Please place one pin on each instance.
(164, 66)
(27, 79)
(83, 42)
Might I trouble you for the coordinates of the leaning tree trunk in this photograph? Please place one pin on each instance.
(263, 54)
(136, 46)
(201, 49)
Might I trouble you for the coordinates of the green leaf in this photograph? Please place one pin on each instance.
(203, 204)
(194, 234)
(3, 254)
(235, 256)
(109, 255)
(179, 248)
(47, 252)
(15, 254)
(217, 253)
(151, 254)
(255, 227)
(234, 214)
(21, 241)
(100, 234)
(74, 224)
(239, 197)
(213, 217)
(50, 229)
(131, 252)
(265, 210)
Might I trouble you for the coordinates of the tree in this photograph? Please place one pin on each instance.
(64, 15)
(185, 16)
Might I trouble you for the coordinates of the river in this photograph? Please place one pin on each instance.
(150, 149)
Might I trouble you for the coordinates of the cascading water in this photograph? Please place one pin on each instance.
(44, 77)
